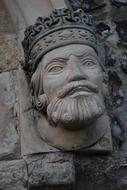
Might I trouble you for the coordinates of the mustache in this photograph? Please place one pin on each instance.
(76, 86)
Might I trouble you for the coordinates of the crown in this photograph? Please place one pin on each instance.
(61, 28)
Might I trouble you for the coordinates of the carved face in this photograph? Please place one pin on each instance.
(70, 78)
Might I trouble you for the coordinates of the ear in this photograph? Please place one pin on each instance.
(41, 102)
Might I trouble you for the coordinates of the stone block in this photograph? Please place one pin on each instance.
(51, 169)
(58, 4)
(36, 172)
(9, 114)
(9, 52)
(6, 24)
(31, 9)
(13, 175)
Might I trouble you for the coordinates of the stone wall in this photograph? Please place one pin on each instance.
(59, 170)
(109, 172)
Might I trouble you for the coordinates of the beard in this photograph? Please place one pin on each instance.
(75, 112)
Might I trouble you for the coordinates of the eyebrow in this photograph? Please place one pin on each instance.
(58, 59)
(89, 57)
(82, 56)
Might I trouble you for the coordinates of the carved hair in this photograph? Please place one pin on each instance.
(40, 99)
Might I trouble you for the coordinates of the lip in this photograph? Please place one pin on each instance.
(78, 87)
(80, 91)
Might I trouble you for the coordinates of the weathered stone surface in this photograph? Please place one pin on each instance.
(13, 175)
(119, 3)
(58, 4)
(52, 169)
(27, 11)
(101, 172)
(118, 177)
(9, 114)
(9, 52)
(85, 4)
(5, 20)
(118, 14)
(30, 143)
(55, 188)
(47, 171)
(121, 28)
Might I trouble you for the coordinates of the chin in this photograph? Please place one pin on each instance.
(78, 124)
(75, 113)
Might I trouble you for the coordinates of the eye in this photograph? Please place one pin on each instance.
(55, 69)
(89, 63)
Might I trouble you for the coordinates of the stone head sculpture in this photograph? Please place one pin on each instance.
(61, 57)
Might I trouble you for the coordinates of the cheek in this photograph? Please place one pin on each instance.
(52, 85)
(96, 76)
(47, 87)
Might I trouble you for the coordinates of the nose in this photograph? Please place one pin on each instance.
(76, 69)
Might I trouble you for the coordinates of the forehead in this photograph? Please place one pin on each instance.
(66, 51)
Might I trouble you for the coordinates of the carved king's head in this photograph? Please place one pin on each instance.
(66, 75)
